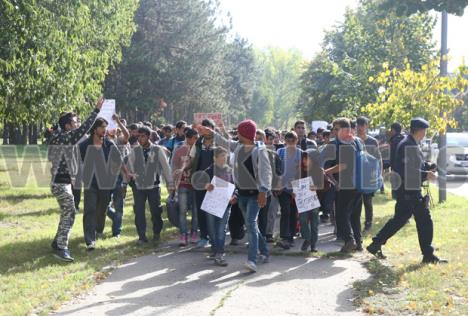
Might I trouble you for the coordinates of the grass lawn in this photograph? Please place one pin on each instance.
(401, 285)
(31, 279)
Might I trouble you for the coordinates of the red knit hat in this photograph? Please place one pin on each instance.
(247, 129)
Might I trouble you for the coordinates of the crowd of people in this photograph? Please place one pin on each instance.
(261, 163)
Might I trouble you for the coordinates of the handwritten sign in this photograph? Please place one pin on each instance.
(216, 201)
(216, 117)
(107, 110)
(306, 200)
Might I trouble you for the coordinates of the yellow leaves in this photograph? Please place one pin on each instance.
(371, 79)
(412, 305)
(385, 65)
(370, 293)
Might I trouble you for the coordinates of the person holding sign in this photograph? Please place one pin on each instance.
(217, 225)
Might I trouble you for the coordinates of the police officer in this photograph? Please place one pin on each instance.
(412, 171)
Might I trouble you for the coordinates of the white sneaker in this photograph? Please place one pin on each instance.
(91, 246)
(250, 266)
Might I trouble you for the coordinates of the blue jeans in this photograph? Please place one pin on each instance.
(186, 204)
(217, 230)
(310, 226)
(250, 209)
(117, 213)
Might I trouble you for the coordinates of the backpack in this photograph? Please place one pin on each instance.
(368, 172)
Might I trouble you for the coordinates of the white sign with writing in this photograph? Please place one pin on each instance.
(217, 201)
(306, 200)
(107, 111)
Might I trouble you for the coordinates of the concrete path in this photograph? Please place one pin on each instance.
(175, 281)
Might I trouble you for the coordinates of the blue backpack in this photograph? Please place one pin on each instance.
(368, 172)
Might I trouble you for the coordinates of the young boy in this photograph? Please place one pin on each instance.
(310, 219)
(216, 225)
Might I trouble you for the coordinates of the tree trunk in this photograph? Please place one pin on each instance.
(6, 137)
(33, 134)
(24, 134)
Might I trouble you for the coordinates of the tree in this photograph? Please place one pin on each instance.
(409, 93)
(240, 69)
(408, 7)
(278, 87)
(336, 81)
(54, 55)
(176, 57)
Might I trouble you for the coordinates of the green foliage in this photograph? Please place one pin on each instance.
(336, 81)
(278, 86)
(177, 54)
(54, 55)
(408, 7)
(408, 93)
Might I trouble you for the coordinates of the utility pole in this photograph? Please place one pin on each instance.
(442, 163)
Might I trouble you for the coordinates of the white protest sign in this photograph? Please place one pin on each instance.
(107, 111)
(216, 201)
(306, 200)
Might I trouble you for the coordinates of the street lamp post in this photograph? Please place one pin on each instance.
(443, 137)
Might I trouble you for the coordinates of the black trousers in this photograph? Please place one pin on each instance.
(94, 213)
(288, 219)
(76, 196)
(404, 209)
(263, 217)
(348, 215)
(368, 208)
(153, 196)
(201, 215)
(236, 223)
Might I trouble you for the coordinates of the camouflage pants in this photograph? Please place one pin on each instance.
(64, 195)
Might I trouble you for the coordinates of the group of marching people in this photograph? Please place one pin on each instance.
(260, 163)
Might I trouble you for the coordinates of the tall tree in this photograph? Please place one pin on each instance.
(54, 55)
(408, 7)
(336, 81)
(175, 58)
(278, 86)
(408, 93)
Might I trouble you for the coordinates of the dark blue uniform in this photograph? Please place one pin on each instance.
(409, 166)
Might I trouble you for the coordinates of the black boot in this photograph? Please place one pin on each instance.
(376, 250)
(431, 259)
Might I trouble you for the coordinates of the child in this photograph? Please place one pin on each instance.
(216, 225)
(310, 219)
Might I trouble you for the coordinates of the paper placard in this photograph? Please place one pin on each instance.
(216, 117)
(107, 111)
(217, 201)
(306, 200)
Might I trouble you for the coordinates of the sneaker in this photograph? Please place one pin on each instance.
(64, 255)
(324, 218)
(433, 260)
(283, 244)
(211, 256)
(250, 266)
(54, 245)
(193, 238)
(313, 249)
(348, 246)
(142, 242)
(156, 238)
(270, 239)
(220, 261)
(202, 243)
(234, 242)
(99, 236)
(91, 246)
(376, 250)
(263, 259)
(305, 245)
(182, 240)
(359, 247)
(117, 236)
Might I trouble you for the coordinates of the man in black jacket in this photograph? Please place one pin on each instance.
(395, 138)
(413, 171)
(61, 148)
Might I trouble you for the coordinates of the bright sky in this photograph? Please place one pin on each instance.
(300, 24)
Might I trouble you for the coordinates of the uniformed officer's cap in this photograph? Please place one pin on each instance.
(418, 123)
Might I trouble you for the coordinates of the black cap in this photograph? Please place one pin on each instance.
(396, 127)
(419, 122)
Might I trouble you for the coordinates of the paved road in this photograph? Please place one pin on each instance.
(177, 281)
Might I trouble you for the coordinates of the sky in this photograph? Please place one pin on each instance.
(300, 24)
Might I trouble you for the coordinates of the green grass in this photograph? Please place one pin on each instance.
(31, 279)
(401, 285)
